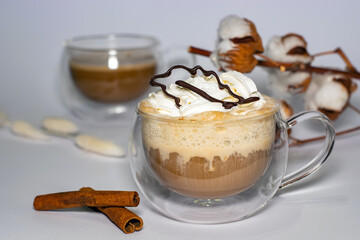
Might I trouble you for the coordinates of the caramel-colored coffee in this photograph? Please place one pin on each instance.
(215, 178)
(99, 83)
(203, 158)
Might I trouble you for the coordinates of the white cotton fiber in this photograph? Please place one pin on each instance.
(234, 27)
(324, 92)
(280, 82)
(277, 49)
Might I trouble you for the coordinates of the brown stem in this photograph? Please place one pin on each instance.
(308, 68)
(286, 66)
(297, 142)
(354, 108)
(276, 64)
(341, 53)
(295, 67)
(199, 51)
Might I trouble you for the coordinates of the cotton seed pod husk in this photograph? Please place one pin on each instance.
(238, 41)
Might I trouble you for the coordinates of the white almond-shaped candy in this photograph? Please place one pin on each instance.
(25, 129)
(99, 146)
(3, 119)
(60, 125)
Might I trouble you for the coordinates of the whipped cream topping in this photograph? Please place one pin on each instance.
(192, 103)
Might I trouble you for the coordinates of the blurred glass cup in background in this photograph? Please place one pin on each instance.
(102, 76)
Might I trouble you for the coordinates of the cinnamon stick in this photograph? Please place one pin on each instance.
(86, 198)
(126, 220)
(110, 203)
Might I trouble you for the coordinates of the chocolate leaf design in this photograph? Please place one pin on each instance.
(193, 71)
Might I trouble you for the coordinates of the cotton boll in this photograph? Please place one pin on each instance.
(232, 27)
(237, 43)
(338, 99)
(324, 92)
(222, 47)
(329, 94)
(282, 49)
(290, 48)
(286, 84)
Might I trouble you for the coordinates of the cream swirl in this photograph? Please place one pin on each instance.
(192, 103)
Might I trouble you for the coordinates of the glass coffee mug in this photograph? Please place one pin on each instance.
(102, 76)
(217, 171)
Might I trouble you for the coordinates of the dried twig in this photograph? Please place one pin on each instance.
(354, 108)
(297, 142)
(286, 66)
(301, 67)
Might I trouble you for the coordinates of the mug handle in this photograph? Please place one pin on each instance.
(321, 157)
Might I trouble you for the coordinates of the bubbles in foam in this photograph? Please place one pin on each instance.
(208, 139)
(242, 137)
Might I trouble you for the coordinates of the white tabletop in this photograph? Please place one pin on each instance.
(323, 206)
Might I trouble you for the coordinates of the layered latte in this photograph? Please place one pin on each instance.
(201, 148)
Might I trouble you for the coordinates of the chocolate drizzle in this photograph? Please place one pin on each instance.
(226, 105)
(193, 71)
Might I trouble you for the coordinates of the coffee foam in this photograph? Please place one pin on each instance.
(210, 134)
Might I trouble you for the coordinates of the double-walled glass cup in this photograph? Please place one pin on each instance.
(103, 76)
(216, 171)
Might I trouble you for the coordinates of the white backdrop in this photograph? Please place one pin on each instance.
(32, 33)
(325, 205)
